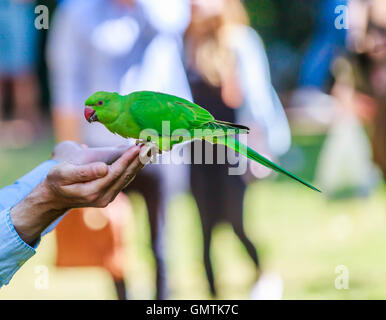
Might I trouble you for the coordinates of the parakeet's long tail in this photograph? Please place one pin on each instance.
(234, 144)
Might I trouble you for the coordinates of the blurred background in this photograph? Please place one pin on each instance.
(309, 78)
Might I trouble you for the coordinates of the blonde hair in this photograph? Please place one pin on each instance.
(208, 41)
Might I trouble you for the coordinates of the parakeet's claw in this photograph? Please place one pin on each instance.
(139, 141)
(151, 150)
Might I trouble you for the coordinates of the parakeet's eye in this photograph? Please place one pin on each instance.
(100, 103)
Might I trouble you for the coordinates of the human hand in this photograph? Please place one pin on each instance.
(95, 184)
(70, 186)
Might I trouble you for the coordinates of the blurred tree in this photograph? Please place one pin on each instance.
(285, 27)
(281, 20)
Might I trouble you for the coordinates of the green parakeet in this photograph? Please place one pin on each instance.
(145, 111)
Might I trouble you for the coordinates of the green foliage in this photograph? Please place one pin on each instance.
(282, 20)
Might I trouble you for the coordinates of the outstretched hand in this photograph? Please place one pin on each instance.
(92, 185)
(85, 177)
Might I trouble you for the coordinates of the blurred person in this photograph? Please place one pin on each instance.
(368, 77)
(359, 91)
(76, 176)
(115, 49)
(229, 75)
(328, 42)
(376, 70)
(18, 62)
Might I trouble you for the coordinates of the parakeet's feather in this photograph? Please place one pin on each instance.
(180, 113)
(233, 125)
(236, 145)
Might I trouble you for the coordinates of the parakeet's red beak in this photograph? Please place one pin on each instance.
(90, 114)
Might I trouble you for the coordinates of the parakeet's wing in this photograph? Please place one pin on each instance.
(149, 109)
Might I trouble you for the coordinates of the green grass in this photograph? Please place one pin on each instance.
(298, 233)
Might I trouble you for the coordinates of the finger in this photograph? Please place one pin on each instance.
(68, 174)
(127, 175)
(114, 173)
(125, 179)
(125, 160)
(107, 155)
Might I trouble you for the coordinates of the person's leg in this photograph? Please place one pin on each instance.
(25, 83)
(7, 51)
(148, 184)
(239, 230)
(269, 285)
(2, 97)
(116, 213)
(120, 288)
(234, 198)
(208, 207)
(25, 97)
(156, 215)
(207, 236)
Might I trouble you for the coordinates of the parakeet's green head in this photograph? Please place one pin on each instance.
(103, 107)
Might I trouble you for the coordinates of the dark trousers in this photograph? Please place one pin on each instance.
(219, 197)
